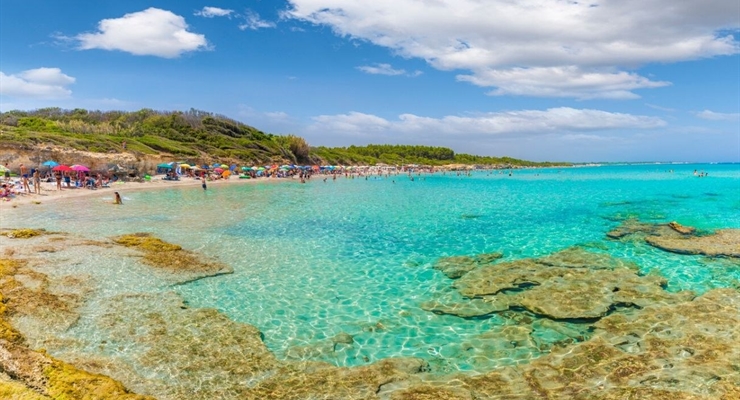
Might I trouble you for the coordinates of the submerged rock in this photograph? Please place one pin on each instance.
(34, 374)
(573, 283)
(457, 266)
(676, 238)
(687, 350)
(173, 258)
(634, 226)
(468, 309)
(578, 257)
(723, 243)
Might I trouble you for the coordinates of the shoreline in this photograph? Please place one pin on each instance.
(49, 193)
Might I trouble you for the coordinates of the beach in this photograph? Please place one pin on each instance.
(624, 282)
(49, 192)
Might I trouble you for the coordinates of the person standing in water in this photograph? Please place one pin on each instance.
(203, 184)
(118, 199)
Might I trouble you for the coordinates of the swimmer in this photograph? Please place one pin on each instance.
(118, 199)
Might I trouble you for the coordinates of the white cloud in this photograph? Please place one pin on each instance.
(254, 22)
(386, 69)
(561, 82)
(715, 116)
(152, 32)
(39, 83)
(210, 12)
(523, 122)
(514, 46)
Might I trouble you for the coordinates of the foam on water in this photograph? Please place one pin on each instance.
(355, 256)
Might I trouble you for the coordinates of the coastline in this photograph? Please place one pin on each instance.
(49, 193)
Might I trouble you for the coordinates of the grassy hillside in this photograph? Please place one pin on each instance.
(198, 134)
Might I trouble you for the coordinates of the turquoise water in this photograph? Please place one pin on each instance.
(355, 256)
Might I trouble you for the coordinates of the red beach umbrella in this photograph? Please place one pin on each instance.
(63, 168)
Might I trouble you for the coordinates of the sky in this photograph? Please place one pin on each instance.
(544, 80)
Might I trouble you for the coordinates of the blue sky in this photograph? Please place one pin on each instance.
(629, 80)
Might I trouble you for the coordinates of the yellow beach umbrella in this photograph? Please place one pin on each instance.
(185, 165)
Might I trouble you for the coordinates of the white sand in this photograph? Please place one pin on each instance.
(49, 192)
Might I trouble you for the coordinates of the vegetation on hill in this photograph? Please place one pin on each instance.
(405, 154)
(196, 134)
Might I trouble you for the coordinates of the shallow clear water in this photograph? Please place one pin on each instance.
(355, 255)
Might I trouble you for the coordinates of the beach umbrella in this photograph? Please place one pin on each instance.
(185, 165)
(224, 166)
(219, 170)
(164, 165)
(78, 167)
(63, 168)
(196, 168)
(246, 169)
(50, 163)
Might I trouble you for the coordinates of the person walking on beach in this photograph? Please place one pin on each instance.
(37, 181)
(118, 199)
(7, 172)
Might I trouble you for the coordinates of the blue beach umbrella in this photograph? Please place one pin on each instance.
(50, 164)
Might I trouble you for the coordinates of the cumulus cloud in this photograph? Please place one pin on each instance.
(553, 120)
(152, 32)
(386, 69)
(210, 12)
(520, 47)
(39, 83)
(715, 116)
(254, 22)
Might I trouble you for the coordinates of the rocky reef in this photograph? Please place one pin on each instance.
(687, 350)
(457, 266)
(571, 284)
(186, 265)
(31, 374)
(676, 238)
(576, 324)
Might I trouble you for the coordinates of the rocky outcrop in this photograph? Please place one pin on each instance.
(30, 374)
(185, 265)
(722, 243)
(457, 266)
(676, 238)
(576, 291)
(687, 350)
(468, 309)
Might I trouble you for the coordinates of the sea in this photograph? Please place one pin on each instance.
(356, 255)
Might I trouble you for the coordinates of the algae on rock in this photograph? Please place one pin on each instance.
(172, 257)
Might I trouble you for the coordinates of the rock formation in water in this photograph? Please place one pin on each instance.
(676, 238)
(185, 265)
(457, 266)
(687, 350)
(30, 374)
